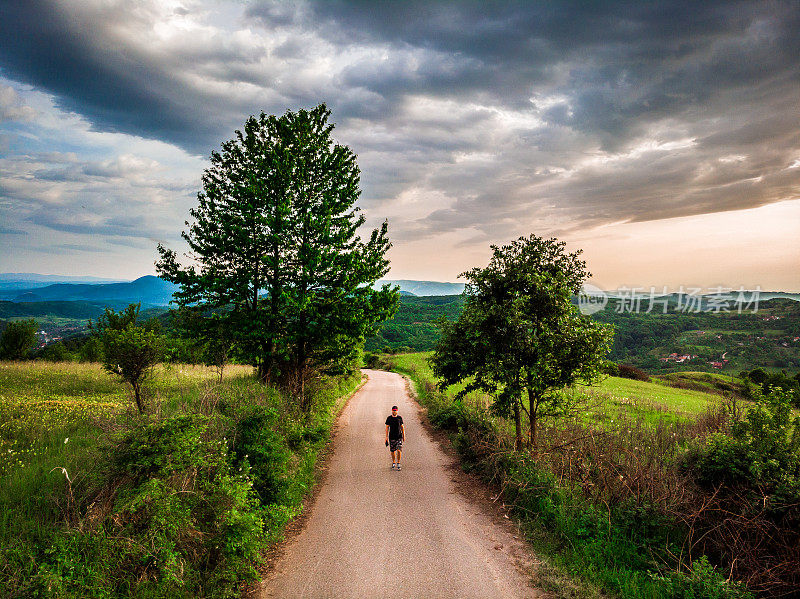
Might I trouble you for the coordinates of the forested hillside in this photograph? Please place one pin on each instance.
(414, 325)
(724, 341)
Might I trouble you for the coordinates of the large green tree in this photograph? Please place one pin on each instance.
(519, 333)
(276, 250)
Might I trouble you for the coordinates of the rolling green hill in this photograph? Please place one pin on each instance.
(60, 309)
(414, 325)
(768, 338)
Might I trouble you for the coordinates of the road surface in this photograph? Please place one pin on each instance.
(374, 532)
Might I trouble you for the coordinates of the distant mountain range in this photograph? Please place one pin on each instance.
(29, 280)
(148, 290)
(151, 291)
(410, 287)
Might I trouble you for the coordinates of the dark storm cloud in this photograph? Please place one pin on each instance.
(613, 50)
(118, 87)
(491, 118)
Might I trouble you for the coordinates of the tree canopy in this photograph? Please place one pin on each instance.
(130, 349)
(520, 333)
(276, 249)
(17, 339)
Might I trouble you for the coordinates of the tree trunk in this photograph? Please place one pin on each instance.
(266, 362)
(517, 426)
(533, 400)
(137, 394)
(304, 401)
(300, 373)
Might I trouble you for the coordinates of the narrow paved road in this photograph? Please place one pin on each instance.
(374, 532)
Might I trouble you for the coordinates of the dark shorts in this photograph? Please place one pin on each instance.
(395, 444)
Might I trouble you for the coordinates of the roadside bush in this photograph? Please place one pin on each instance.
(767, 381)
(163, 514)
(181, 515)
(451, 416)
(261, 449)
(372, 360)
(760, 450)
(702, 582)
(752, 477)
(631, 372)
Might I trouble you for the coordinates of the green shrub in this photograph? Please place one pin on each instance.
(371, 360)
(610, 368)
(702, 582)
(260, 447)
(91, 350)
(182, 517)
(759, 451)
(451, 416)
(17, 339)
(632, 372)
(55, 352)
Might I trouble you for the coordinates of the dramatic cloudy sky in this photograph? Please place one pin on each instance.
(663, 138)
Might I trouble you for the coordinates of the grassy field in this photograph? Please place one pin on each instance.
(653, 401)
(71, 381)
(99, 501)
(43, 403)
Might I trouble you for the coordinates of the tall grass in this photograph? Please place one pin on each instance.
(98, 501)
(604, 497)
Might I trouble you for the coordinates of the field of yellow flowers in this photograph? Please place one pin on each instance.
(98, 500)
(46, 404)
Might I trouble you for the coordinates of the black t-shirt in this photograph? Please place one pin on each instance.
(394, 423)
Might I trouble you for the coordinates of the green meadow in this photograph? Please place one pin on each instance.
(97, 500)
(657, 400)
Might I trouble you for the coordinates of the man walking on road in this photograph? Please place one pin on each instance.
(395, 435)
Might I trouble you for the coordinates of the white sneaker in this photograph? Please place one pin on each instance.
(393, 465)
(398, 467)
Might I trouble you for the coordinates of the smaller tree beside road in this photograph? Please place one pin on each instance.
(519, 333)
(130, 349)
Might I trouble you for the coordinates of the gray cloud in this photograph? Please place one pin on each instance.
(127, 197)
(11, 107)
(490, 119)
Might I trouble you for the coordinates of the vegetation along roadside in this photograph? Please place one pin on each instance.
(98, 500)
(651, 501)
